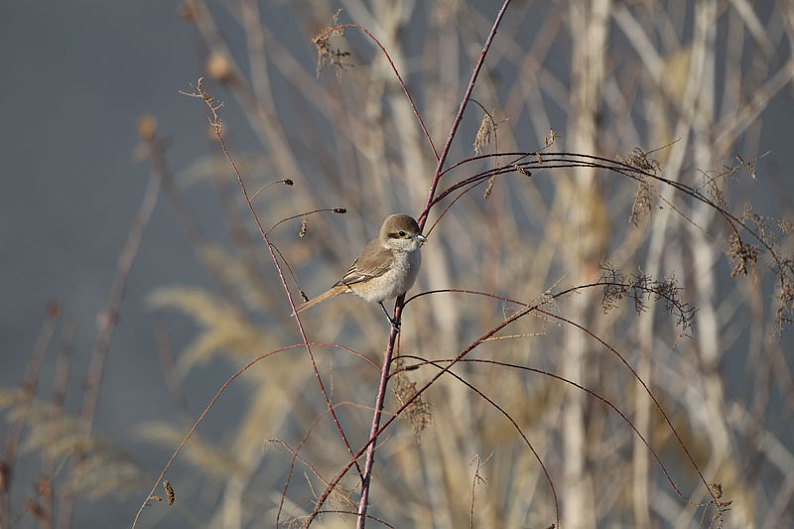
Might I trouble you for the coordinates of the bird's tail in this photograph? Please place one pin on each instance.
(334, 291)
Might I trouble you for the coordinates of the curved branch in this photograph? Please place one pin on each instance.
(435, 363)
(422, 219)
(325, 34)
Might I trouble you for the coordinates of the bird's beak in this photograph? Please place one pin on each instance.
(421, 238)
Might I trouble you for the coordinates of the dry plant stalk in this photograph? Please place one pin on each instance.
(622, 372)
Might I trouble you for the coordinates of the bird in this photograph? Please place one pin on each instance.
(386, 268)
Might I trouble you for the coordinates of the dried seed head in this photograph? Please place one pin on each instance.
(642, 207)
(169, 492)
(147, 127)
(418, 411)
(483, 136)
(219, 68)
(744, 253)
(522, 170)
(188, 11)
(488, 189)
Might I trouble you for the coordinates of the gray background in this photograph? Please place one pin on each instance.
(75, 78)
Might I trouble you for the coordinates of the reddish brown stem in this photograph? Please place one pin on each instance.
(376, 417)
(455, 124)
(288, 293)
(396, 73)
(212, 403)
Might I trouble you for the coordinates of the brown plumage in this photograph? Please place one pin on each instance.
(386, 267)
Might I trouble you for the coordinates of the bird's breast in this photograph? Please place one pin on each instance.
(397, 280)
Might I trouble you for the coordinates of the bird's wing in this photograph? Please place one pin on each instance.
(373, 262)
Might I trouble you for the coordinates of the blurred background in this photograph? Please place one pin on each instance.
(97, 137)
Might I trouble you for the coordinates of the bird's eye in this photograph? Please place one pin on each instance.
(402, 234)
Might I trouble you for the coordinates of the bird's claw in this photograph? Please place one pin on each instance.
(394, 324)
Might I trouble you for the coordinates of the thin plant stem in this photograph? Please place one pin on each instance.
(108, 318)
(332, 29)
(378, 413)
(459, 116)
(211, 404)
(398, 306)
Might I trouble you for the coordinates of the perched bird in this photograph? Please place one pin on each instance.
(386, 268)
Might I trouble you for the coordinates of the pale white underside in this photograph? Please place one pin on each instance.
(397, 280)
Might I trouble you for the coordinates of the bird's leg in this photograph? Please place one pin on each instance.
(391, 320)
